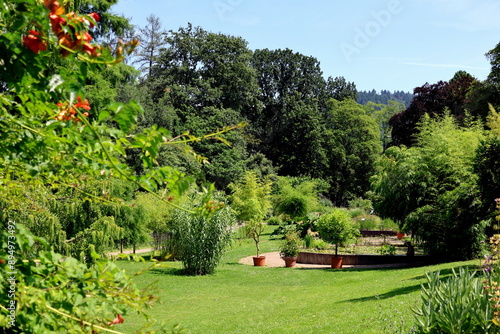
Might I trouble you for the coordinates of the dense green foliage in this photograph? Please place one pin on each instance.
(430, 189)
(48, 293)
(55, 151)
(78, 221)
(487, 167)
(337, 228)
(382, 113)
(353, 147)
(200, 80)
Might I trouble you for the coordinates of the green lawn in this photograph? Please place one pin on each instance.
(246, 299)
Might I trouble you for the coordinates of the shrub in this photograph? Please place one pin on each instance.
(203, 239)
(274, 220)
(282, 229)
(356, 212)
(296, 197)
(388, 224)
(293, 206)
(457, 304)
(362, 204)
(387, 249)
(368, 222)
(290, 246)
(319, 244)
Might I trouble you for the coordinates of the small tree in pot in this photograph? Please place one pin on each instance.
(338, 228)
(251, 199)
(289, 248)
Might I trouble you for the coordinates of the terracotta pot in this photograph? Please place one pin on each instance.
(290, 261)
(259, 261)
(336, 262)
(400, 235)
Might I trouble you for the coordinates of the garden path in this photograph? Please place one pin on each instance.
(273, 259)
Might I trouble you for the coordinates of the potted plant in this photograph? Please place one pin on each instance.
(254, 230)
(337, 227)
(290, 248)
(251, 199)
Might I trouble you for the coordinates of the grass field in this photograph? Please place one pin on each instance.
(246, 299)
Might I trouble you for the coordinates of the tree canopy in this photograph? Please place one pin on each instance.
(432, 99)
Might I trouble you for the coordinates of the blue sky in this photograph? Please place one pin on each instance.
(377, 44)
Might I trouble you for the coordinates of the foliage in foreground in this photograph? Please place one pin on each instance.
(48, 293)
(53, 138)
(455, 305)
(466, 302)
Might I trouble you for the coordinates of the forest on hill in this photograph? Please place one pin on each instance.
(365, 96)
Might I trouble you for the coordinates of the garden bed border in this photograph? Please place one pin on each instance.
(362, 259)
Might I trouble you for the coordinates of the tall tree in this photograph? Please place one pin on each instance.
(353, 146)
(487, 167)
(432, 100)
(201, 82)
(198, 69)
(152, 39)
(340, 89)
(487, 92)
(289, 128)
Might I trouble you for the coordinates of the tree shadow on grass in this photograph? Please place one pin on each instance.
(445, 273)
(393, 293)
(359, 269)
(168, 271)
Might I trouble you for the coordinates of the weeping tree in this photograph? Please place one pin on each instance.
(295, 197)
(78, 222)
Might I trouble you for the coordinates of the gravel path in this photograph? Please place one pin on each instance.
(137, 251)
(274, 260)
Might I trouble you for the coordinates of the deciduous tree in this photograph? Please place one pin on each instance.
(353, 144)
(432, 100)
